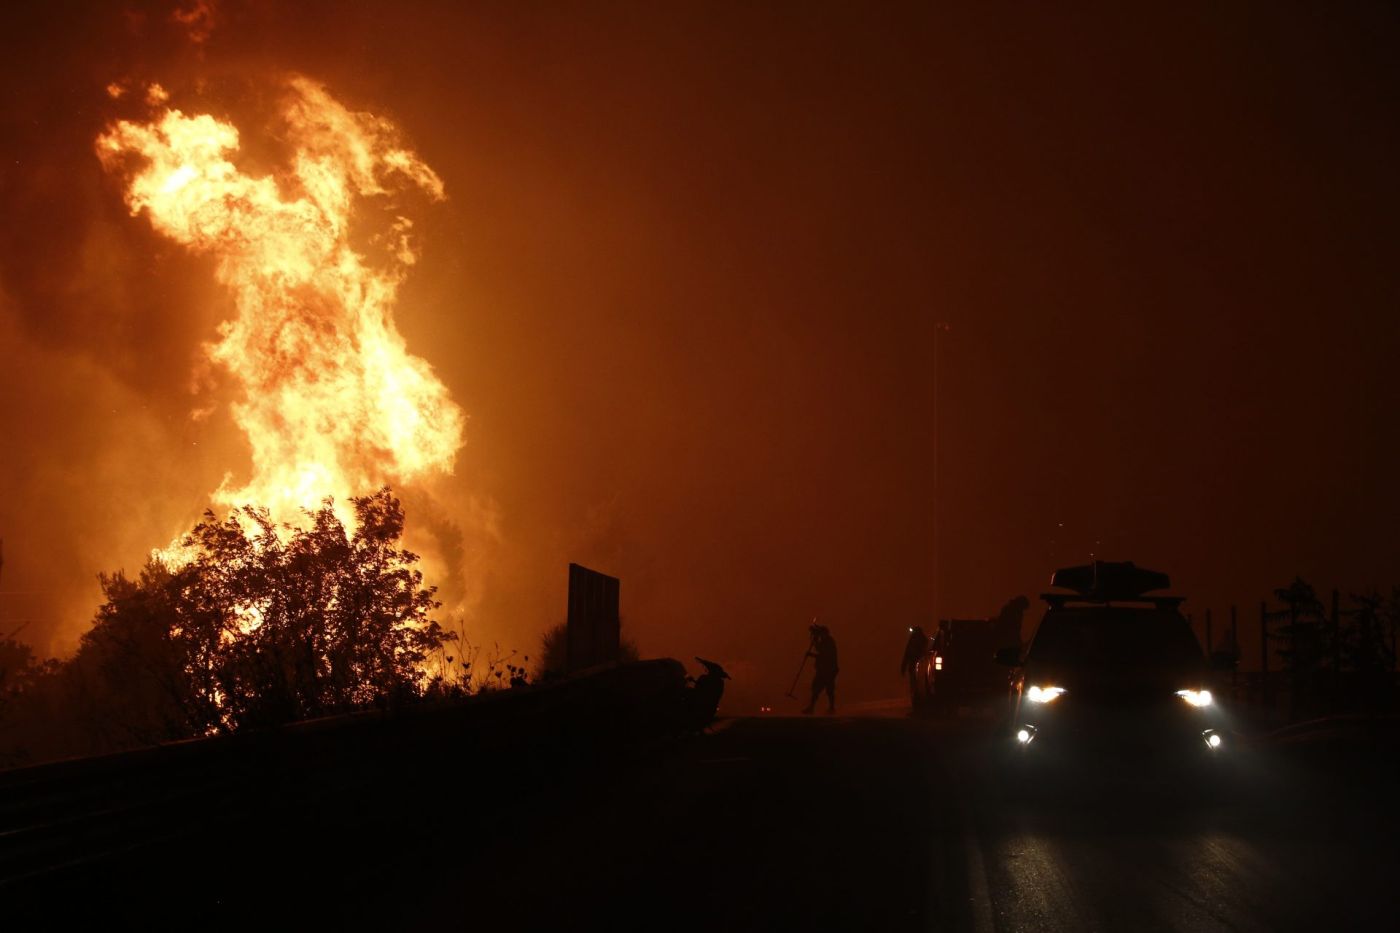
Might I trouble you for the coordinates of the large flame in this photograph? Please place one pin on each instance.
(332, 402)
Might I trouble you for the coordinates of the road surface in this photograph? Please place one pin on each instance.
(902, 824)
(785, 823)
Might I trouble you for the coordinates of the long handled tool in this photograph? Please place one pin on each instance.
(790, 693)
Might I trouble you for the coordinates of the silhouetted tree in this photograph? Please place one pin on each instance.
(18, 669)
(1366, 650)
(1365, 646)
(266, 624)
(1391, 614)
(133, 680)
(1305, 629)
(1307, 635)
(24, 683)
(16, 660)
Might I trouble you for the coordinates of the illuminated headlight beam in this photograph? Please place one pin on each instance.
(1196, 697)
(1038, 694)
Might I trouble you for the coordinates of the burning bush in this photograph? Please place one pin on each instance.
(265, 624)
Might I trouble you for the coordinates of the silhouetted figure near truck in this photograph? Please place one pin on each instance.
(916, 647)
(823, 653)
(1008, 622)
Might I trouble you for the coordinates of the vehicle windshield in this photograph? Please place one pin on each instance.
(1115, 637)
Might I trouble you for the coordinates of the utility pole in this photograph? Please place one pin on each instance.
(939, 327)
(1336, 632)
(1295, 682)
(1264, 651)
(1234, 647)
(1210, 642)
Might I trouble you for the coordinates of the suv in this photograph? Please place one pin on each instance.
(1113, 671)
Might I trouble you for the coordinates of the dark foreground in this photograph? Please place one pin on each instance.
(786, 823)
(898, 824)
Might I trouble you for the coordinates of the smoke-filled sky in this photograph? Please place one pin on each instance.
(685, 286)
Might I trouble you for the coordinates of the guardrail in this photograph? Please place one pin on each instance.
(87, 824)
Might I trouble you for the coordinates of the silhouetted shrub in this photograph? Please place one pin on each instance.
(20, 674)
(264, 625)
(554, 651)
(470, 671)
(17, 665)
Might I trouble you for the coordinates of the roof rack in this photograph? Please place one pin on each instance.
(1109, 581)
(1060, 600)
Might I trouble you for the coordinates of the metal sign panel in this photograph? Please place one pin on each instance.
(594, 622)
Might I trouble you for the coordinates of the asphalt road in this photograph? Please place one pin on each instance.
(900, 824)
(780, 823)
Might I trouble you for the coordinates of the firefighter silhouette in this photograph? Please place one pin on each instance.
(823, 653)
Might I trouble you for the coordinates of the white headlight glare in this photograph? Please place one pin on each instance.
(1038, 694)
(1196, 697)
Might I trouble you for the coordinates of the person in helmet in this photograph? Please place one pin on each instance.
(823, 653)
(914, 649)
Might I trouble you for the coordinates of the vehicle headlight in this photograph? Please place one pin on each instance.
(1038, 694)
(1196, 697)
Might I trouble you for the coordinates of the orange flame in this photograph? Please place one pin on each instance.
(332, 402)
